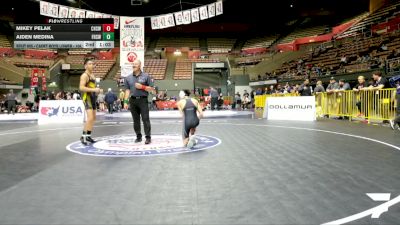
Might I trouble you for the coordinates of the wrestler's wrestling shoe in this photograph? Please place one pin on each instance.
(192, 142)
(90, 140)
(83, 140)
(86, 140)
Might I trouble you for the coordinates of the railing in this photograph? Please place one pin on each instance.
(367, 104)
(393, 65)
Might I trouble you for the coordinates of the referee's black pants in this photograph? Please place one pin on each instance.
(11, 106)
(214, 101)
(140, 107)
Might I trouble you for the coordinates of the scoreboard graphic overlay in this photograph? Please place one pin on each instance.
(65, 33)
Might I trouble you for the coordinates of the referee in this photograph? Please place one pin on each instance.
(137, 87)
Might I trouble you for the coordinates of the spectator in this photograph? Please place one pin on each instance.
(245, 101)
(52, 96)
(110, 98)
(279, 89)
(252, 93)
(266, 91)
(319, 88)
(100, 100)
(220, 102)
(343, 86)
(214, 97)
(384, 47)
(362, 85)
(287, 89)
(378, 84)
(238, 101)
(76, 95)
(59, 96)
(379, 81)
(259, 91)
(271, 90)
(11, 99)
(246, 94)
(343, 60)
(68, 96)
(43, 97)
(333, 85)
(305, 88)
(121, 97)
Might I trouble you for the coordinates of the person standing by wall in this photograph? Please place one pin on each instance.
(305, 89)
(214, 97)
(100, 101)
(122, 97)
(11, 99)
(110, 98)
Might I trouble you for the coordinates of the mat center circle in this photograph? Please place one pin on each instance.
(125, 146)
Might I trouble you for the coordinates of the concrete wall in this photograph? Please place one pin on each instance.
(241, 89)
(106, 84)
(217, 80)
(239, 83)
(174, 86)
(241, 80)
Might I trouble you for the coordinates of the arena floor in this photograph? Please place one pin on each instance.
(256, 172)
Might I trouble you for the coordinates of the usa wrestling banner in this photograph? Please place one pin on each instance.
(131, 41)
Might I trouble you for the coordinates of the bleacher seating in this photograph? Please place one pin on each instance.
(180, 42)
(40, 53)
(362, 54)
(252, 59)
(220, 45)
(365, 24)
(5, 51)
(4, 42)
(76, 59)
(79, 51)
(259, 42)
(156, 68)
(102, 67)
(27, 62)
(304, 32)
(183, 68)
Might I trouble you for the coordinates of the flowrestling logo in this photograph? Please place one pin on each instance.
(125, 146)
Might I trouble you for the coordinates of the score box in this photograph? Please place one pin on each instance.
(108, 27)
(108, 36)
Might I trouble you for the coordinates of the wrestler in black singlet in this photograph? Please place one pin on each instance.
(191, 119)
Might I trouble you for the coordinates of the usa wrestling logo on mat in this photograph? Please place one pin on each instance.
(125, 146)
